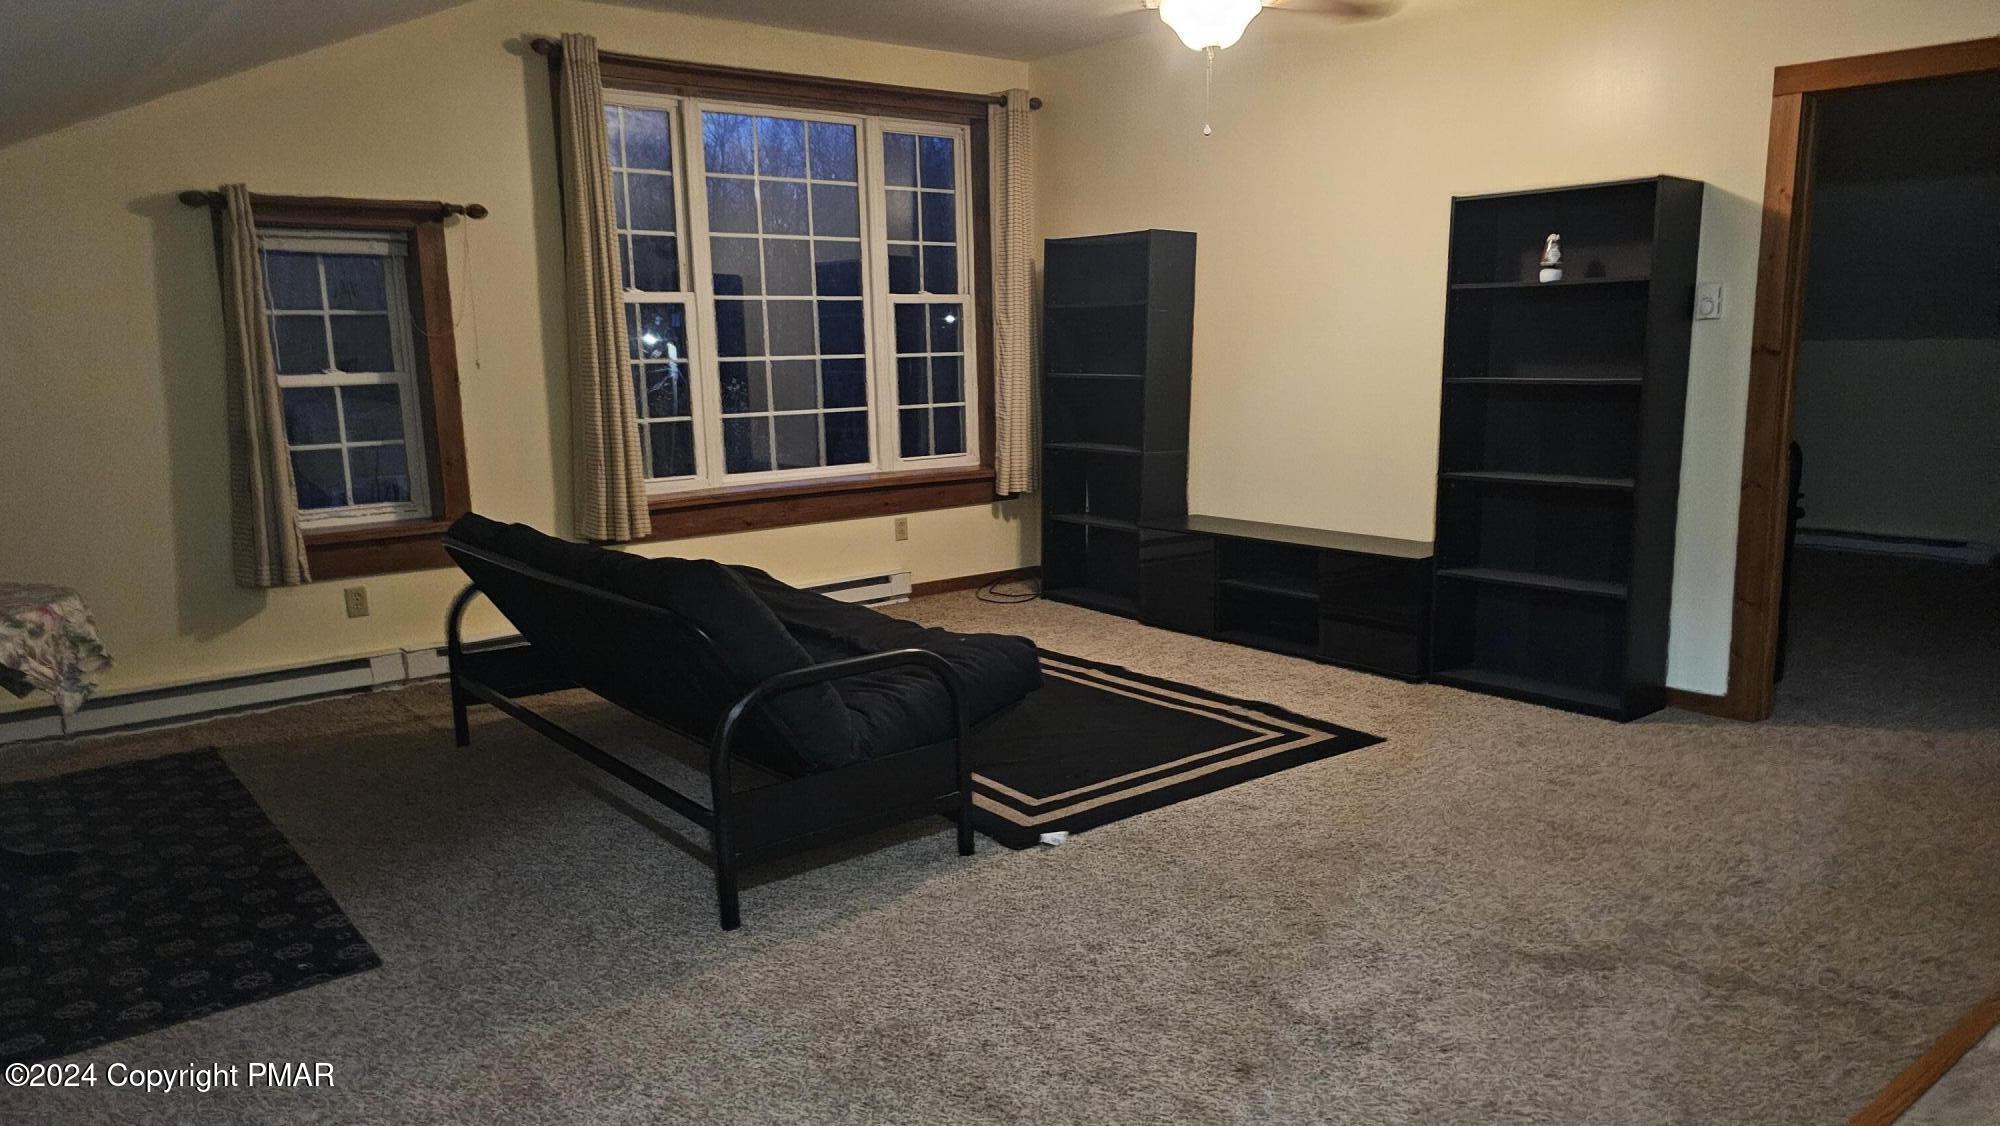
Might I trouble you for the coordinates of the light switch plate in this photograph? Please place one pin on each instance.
(1708, 301)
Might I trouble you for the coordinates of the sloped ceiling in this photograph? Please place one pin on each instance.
(70, 60)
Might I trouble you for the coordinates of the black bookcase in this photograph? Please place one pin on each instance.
(1559, 457)
(1117, 353)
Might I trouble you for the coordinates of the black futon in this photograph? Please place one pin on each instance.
(853, 719)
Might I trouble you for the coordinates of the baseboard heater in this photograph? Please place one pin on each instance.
(202, 699)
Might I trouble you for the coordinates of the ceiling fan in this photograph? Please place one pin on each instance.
(1209, 26)
(1214, 24)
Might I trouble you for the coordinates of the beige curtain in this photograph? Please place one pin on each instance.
(609, 490)
(1013, 177)
(265, 542)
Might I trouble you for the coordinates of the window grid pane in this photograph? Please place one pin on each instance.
(785, 257)
(646, 220)
(930, 378)
(342, 376)
(922, 212)
(662, 370)
(644, 204)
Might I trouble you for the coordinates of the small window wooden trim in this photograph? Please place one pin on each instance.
(679, 515)
(407, 545)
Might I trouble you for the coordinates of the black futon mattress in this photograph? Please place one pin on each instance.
(762, 627)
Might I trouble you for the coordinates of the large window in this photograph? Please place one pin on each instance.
(797, 290)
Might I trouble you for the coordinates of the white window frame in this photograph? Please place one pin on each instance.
(701, 371)
(714, 474)
(878, 328)
(396, 249)
(968, 329)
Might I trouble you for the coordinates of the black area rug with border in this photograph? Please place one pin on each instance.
(183, 900)
(1098, 743)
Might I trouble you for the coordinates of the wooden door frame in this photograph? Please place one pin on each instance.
(1781, 260)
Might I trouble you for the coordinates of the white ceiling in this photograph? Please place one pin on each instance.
(69, 60)
(1009, 29)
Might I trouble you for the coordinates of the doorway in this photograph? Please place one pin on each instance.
(1891, 596)
(1845, 156)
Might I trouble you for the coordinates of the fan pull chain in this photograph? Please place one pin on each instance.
(1208, 92)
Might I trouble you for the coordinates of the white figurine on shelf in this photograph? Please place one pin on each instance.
(1552, 256)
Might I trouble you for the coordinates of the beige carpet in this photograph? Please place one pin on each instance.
(1503, 914)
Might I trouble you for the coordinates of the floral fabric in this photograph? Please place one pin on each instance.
(48, 642)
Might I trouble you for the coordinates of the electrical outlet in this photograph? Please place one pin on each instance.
(902, 528)
(356, 599)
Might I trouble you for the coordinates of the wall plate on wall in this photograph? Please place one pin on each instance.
(1708, 301)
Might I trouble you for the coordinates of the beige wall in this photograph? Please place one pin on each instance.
(112, 446)
(1323, 197)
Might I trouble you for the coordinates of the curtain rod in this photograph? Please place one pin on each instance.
(217, 199)
(551, 47)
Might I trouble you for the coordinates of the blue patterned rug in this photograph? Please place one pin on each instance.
(184, 900)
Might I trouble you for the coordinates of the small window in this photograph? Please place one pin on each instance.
(357, 301)
(341, 330)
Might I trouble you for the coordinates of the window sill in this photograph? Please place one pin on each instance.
(376, 549)
(750, 507)
(418, 545)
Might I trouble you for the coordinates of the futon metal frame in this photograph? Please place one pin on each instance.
(745, 826)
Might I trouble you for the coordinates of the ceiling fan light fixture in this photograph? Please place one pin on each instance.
(1206, 25)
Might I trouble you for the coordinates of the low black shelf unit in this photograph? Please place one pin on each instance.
(1559, 456)
(1346, 599)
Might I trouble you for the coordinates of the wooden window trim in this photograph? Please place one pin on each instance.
(750, 507)
(745, 508)
(804, 91)
(408, 545)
